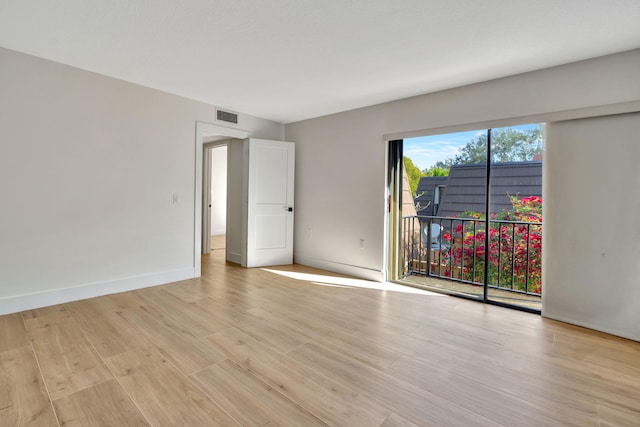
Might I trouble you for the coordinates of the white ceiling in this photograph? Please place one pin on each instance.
(289, 60)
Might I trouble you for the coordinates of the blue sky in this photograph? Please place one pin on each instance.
(425, 151)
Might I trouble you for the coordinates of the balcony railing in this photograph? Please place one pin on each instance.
(454, 249)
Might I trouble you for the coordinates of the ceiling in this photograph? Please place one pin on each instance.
(289, 60)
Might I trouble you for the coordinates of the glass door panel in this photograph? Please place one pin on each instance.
(515, 232)
(446, 175)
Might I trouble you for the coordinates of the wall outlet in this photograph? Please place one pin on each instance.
(175, 198)
(361, 243)
(309, 232)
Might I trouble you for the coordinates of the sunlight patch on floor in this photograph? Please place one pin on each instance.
(346, 282)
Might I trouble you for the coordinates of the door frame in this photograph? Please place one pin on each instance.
(393, 211)
(205, 130)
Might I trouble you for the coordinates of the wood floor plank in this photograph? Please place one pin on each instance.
(12, 332)
(327, 399)
(490, 402)
(249, 400)
(35, 319)
(67, 359)
(367, 351)
(178, 315)
(610, 414)
(104, 404)
(163, 394)
(108, 332)
(123, 301)
(557, 403)
(590, 381)
(395, 420)
(280, 338)
(189, 290)
(388, 391)
(185, 351)
(23, 398)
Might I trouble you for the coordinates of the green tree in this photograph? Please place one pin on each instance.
(507, 145)
(436, 171)
(413, 173)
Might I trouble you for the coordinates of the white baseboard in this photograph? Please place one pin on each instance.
(606, 330)
(234, 257)
(336, 267)
(19, 303)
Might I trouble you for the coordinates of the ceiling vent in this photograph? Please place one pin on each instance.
(226, 116)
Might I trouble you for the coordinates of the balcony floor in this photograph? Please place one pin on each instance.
(474, 291)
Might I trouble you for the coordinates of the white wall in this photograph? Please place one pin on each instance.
(592, 232)
(340, 164)
(88, 168)
(218, 190)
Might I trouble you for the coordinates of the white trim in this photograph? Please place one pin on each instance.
(580, 113)
(203, 130)
(15, 304)
(234, 257)
(336, 267)
(616, 332)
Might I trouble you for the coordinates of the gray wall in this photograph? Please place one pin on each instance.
(88, 169)
(591, 237)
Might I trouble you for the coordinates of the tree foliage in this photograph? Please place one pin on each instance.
(413, 173)
(436, 171)
(507, 145)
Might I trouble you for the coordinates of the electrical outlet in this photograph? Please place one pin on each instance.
(309, 232)
(175, 198)
(361, 243)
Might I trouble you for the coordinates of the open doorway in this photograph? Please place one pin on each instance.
(214, 190)
(259, 214)
(222, 203)
(209, 134)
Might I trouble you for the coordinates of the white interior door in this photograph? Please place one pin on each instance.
(269, 214)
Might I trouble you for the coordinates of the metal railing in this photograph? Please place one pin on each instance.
(454, 249)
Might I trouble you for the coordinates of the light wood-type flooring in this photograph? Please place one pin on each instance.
(218, 242)
(301, 347)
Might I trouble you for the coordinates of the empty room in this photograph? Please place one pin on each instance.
(425, 213)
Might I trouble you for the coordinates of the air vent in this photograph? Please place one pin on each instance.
(226, 116)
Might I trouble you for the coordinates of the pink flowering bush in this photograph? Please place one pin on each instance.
(515, 250)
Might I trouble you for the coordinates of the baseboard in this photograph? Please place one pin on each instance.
(58, 296)
(336, 267)
(234, 257)
(622, 334)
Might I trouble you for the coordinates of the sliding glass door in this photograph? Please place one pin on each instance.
(474, 226)
(515, 233)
